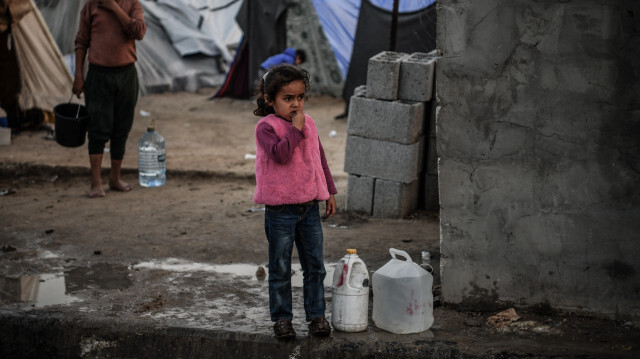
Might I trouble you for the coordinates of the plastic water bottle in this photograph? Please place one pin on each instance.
(350, 294)
(152, 167)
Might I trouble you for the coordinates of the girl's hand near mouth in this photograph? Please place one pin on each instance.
(297, 119)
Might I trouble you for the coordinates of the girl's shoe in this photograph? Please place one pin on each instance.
(319, 327)
(284, 329)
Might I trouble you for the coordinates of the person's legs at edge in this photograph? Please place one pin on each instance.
(126, 98)
(98, 100)
(96, 180)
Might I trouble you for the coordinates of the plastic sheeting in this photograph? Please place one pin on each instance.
(62, 18)
(186, 45)
(416, 32)
(305, 32)
(45, 81)
(339, 20)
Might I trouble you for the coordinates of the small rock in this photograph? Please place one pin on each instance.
(261, 273)
(97, 252)
(8, 248)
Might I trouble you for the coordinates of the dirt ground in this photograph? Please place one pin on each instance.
(205, 211)
(153, 255)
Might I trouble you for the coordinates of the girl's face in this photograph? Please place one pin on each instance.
(289, 100)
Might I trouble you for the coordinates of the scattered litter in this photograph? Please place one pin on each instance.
(145, 113)
(338, 226)
(333, 133)
(6, 192)
(53, 179)
(529, 326)
(503, 318)
(256, 209)
(8, 248)
(261, 274)
(249, 156)
(50, 135)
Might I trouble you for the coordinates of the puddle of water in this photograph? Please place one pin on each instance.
(102, 275)
(238, 269)
(57, 288)
(42, 290)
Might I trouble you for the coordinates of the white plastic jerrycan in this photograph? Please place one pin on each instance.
(350, 294)
(402, 296)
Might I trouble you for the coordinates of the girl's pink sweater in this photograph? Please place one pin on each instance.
(300, 179)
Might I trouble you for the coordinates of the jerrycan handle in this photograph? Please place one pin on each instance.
(395, 252)
(349, 268)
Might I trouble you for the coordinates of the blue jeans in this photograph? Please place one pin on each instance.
(299, 224)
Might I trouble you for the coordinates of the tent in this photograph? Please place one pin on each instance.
(34, 74)
(337, 36)
(269, 28)
(186, 45)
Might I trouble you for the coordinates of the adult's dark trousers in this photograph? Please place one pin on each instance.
(111, 94)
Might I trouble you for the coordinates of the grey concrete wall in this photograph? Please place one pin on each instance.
(539, 141)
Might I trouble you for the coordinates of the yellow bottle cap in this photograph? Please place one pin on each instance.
(351, 251)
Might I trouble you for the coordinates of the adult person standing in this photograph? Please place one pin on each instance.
(108, 30)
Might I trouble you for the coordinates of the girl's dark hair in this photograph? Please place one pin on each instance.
(273, 80)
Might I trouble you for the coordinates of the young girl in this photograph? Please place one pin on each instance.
(292, 176)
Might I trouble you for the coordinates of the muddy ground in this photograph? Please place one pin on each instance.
(186, 254)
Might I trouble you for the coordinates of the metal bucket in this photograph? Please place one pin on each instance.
(71, 124)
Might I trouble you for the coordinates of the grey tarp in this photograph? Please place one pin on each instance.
(264, 27)
(185, 47)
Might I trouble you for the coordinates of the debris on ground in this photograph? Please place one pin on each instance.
(261, 273)
(503, 318)
(6, 192)
(8, 248)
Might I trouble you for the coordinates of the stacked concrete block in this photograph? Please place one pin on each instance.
(416, 77)
(383, 71)
(396, 121)
(395, 199)
(383, 159)
(360, 193)
(387, 136)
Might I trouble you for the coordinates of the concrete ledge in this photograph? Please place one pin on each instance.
(43, 335)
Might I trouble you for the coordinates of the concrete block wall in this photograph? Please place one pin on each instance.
(539, 154)
(387, 134)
